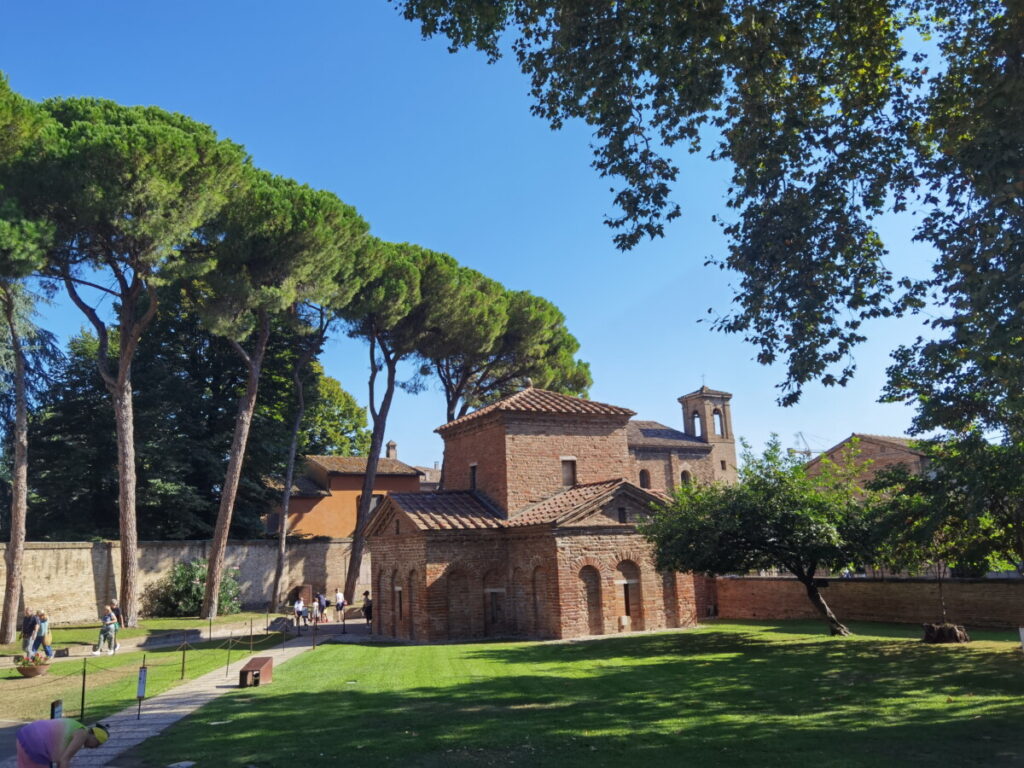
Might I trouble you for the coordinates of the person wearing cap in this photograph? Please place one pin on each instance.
(47, 742)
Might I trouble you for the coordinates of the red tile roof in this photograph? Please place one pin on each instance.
(553, 507)
(448, 510)
(533, 400)
(356, 465)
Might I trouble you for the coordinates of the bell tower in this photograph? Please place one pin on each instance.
(707, 416)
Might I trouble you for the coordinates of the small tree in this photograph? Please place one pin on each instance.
(180, 593)
(776, 516)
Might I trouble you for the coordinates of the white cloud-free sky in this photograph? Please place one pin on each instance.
(441, 150)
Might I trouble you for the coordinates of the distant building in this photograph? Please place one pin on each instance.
(326, 493)
(430, 477)
(876, 453)
(534, 533)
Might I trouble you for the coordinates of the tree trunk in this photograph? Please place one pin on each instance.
(243, 421)
(835, 626)
(289, 475)
(380, 418)
(125, 428)
(19, 480)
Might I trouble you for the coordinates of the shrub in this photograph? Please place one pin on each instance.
(180, 593)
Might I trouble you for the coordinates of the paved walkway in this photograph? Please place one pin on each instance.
(166, 709)
(160, 639)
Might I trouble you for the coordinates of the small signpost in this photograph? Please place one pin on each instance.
(140, 694)
(1021, 629)
(56, 709)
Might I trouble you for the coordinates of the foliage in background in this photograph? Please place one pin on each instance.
(188, 383)
(180, 593)
(831, 115)
(777, 516)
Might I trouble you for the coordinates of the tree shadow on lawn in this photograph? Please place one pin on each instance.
(862, 629)
(664, 700)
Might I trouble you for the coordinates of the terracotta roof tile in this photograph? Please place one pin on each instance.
(553, 507)
(356, 465)
(533, 400)
(448, 510)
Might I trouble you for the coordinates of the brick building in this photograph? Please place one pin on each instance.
(875, 453)
(325, 494)
(534, 533)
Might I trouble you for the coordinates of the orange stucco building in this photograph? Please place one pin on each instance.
(326, 494)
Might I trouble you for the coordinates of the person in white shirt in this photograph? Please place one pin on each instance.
(339, 604)
(300, 611)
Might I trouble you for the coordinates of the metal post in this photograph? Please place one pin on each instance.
(81, 709)
(211, 628)
(184, 647)
(250, 635)
(314, 634)
(268, 619)
(229, 655)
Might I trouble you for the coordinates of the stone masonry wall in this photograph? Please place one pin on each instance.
(72, 580)
(997, 603)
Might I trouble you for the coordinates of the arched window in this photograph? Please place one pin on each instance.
(719, 422)
(645, 478)
(685, 478)
(697, 426)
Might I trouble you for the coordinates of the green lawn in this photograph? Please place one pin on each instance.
(733, 694)
(111, 680)
(157, 628)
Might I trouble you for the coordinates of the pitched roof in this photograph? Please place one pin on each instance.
(655, 435)
(708, 391)
(447, 510)
(356, 465)
(302, 487)
(563, 505)
(902, 442)
(533, 400)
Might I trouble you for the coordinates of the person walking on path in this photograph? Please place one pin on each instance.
(120, 622)
(339, 604)
(107, 632)
(29, 630)
(54, 742)
(44, 639)
(322, 599)
(368, 609)
(314, 609)
(300, 612)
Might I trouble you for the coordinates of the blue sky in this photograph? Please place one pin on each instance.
(440, 150)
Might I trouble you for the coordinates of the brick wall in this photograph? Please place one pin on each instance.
(481, 443)
(974, 602)
(535, 445)
(72, 580)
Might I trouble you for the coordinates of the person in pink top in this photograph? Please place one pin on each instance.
(47, 742)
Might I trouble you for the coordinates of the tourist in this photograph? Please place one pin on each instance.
(368, 608)
(29, 630)
(107, 632)
(339, 604)
(323, 605)
(314, 609)
(300, 612)
(44, 639)
(54, 742)
(120, 622)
